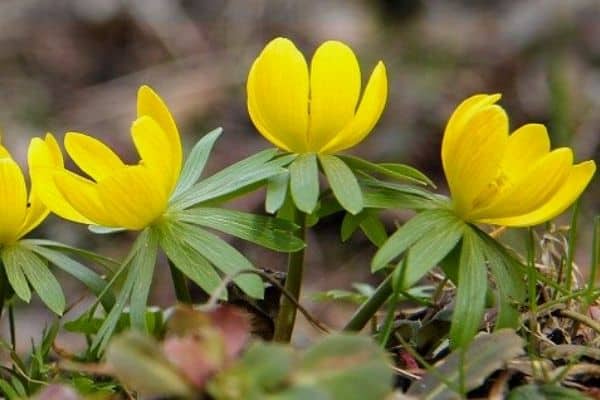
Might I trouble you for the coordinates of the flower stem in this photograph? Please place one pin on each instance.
(368, 309)
(182, 291)
(284, 324)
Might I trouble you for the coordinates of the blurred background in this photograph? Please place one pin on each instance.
(76, 64)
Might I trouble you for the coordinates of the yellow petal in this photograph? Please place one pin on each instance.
(35, 214)
(473, 160)
(82, 195)
(152, 144)
(368, 113)
(45, 158)
(334, 91)
(525, 146)
(13, 200)
(4, 153)
(579, 177)
(455, 128)
(132, 198)
(537, 186)
(278, 95)
(149, 103)
(91, 155)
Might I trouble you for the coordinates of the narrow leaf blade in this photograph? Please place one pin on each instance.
(304, 182)
(471, 288)
(343, 183)
(273, 233)
(195, 163)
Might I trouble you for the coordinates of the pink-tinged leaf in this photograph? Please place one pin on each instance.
(57, 392)
(191, 359)
(234, 325)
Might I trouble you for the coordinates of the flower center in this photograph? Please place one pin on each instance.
(501, 183)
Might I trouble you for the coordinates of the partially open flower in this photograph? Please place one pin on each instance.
(510, 180)
(302, 112)
(115, 194)
(19, 213)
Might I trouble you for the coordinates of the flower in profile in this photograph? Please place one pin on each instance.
(501, 179)
(317, 111)
(20, 213)
(114, 194)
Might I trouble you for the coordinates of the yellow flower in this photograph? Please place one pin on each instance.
(18, 213)
(317, 112)
(510, 180)
(117, 195)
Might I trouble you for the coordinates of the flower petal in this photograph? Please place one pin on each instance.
(82, 195)
(536, 187)
(456, 125)
(149, 103)
(475, 156)
(13, 200)
(334, 91)
(579, 177)
(4, 153)
(525, 146)
(277, 90)
(45, 158)
(368, 113)
(151, 142)
(132, 198)
(91, 155)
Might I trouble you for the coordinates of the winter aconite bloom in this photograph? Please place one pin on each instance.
(510, 180)
(20, 213)
(317, 111)
(115, 194)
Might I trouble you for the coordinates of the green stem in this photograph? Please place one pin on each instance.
(12, 326)
(284, 324)
(368, 309)
(182, 291)
(388, 325)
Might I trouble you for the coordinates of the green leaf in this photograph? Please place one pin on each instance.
(40, 278)
(348, 367)
(300, 393)
(343, 183)
(508, 277)
(244, 173)
(273, 233)
(396, 171)
(133, 266)
(79, 271)
(277, 187)
(104, 230)
(143, 263)
(304, 182)
(14, 273)
(195, 163)
(374, 229)
(224, 257)
(106, 262)
(545, 392)
(486, 354)
(406, 196)
(191, 263)
(8, 391)
(408, 234)
(138, 362)
(350, 224)
(471, 289)
(428, 251)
